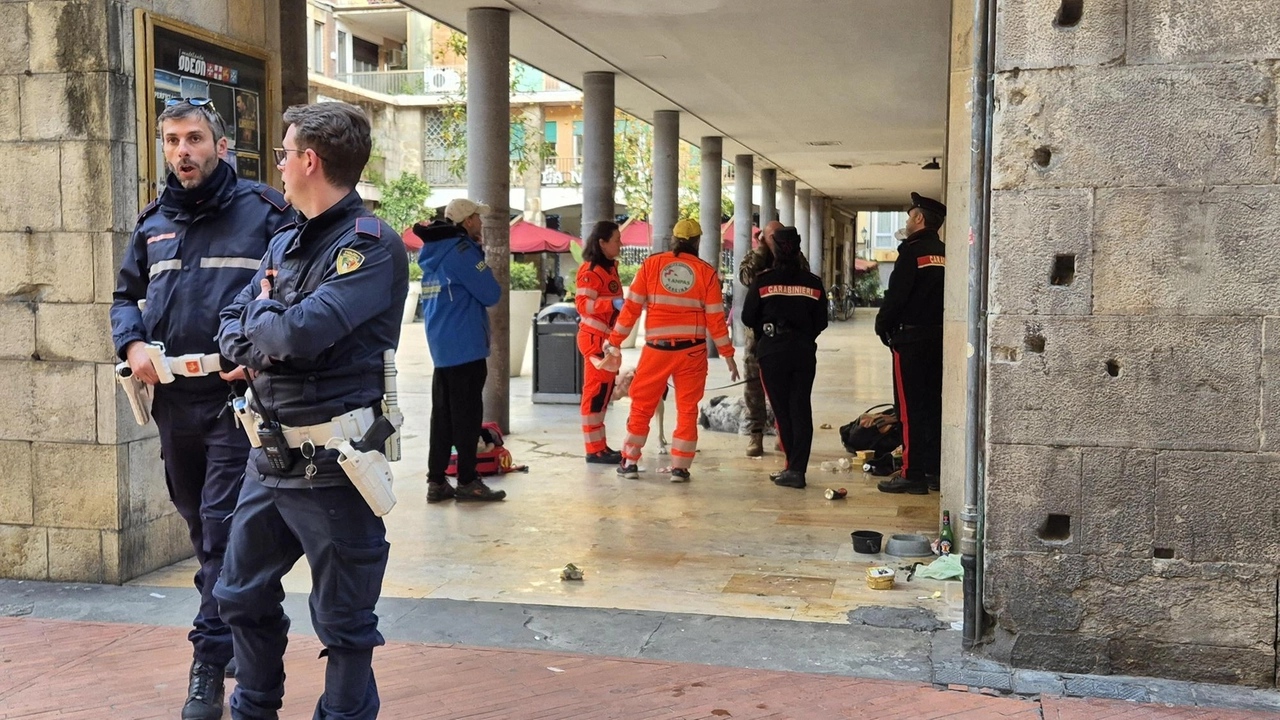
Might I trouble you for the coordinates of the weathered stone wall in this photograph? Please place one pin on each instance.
(1133, 485)
(82, 493)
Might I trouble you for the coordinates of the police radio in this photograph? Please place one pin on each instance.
(271, 436)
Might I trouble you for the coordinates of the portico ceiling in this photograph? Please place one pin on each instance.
(771, 76)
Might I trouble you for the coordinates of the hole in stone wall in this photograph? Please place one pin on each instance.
(1042, 157)
(1005, 354)
(1069, 14)
(1162, 553)
(1064, 270)
(1113, 368)
(1034, 343)
(1056, 528)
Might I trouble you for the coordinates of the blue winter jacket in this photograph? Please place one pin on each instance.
(457, 286)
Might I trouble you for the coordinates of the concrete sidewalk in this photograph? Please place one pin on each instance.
(63, 669)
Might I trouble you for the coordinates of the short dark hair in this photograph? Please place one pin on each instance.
(336, 131)
(184, 109)
(600, 232)
(932, 220)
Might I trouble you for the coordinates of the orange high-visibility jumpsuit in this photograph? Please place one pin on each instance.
(598, 288)
(682, 294)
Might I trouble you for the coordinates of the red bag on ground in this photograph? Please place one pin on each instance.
(491, 457)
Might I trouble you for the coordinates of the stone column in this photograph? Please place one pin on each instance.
(709, 208)
(489, 181)
(743, 168)
(597, 149)
(666, 177)
(817, 231)
(802, 218)
(787, 203)
(768, 195)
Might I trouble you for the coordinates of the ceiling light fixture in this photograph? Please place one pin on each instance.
(655, 57)
(841, 166)
(823, 143)
(932, 165)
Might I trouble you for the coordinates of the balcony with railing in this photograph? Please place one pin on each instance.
(429, 81)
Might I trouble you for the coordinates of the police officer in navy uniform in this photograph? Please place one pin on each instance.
(786, 308)
(311, 330)
(192, 250)
(910, 323)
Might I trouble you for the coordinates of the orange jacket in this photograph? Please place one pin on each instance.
(682, 294)
(598, 287)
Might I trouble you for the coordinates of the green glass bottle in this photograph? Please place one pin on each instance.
(947, 538)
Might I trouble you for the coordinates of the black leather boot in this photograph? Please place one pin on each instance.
(204, 694)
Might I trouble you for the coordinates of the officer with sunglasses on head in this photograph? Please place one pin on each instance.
(192, 250)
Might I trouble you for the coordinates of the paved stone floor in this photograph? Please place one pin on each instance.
(73, 670)
(729, 544)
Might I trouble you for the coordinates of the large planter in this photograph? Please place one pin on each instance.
(524, 305)
(411, 302)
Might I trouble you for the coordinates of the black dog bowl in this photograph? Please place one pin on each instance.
(866, 541)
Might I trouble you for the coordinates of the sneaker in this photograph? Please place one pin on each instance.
(933, 481)
(604, 457)
(628, 470)
(790, 478)
(898, 484)
(477, 491)
(679, 475)
(755, 446)
(204, 694)
(439, 491)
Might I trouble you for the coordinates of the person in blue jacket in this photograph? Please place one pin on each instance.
(192, 250)
(311, 330)
(457, 287)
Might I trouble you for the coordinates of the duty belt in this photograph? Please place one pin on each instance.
(347, 426)
(674, 344)
(189, 365)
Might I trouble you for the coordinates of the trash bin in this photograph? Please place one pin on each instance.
(557, 364)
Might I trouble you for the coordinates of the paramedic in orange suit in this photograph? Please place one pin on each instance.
(598, 299)
(682, 295)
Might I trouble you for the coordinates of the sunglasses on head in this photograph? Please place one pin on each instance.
(194, 102)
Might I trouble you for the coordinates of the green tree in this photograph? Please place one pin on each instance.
(633, 165)
(528, 150)
(403, 200)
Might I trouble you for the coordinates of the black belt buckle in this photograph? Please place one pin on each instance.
(271, 438)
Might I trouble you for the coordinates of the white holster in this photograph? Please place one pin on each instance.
(139, 393)
(369, 472)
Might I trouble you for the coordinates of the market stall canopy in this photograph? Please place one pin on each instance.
(529, 238)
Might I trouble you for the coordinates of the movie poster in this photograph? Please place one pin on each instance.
(236, 85)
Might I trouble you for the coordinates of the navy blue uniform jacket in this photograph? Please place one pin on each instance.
(339, 282)
(190, 262)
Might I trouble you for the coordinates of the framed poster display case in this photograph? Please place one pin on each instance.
(177, 60)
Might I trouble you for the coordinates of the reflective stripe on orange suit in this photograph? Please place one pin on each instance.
(682, 296)
(598, 287)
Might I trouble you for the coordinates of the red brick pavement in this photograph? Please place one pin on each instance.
(71, 670)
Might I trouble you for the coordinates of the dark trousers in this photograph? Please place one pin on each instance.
(345, 545)
(457, 411)
(204, 459)
(788, 382)
(757, 414)
(917, 372)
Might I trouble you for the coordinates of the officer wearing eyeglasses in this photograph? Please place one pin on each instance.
(312, 329)
(192, 250)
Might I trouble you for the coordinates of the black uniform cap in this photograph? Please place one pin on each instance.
(924, 203)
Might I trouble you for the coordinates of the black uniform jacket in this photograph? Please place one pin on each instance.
(792, 303)
(914, 297)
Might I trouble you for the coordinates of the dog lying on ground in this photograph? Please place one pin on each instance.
(622, 388)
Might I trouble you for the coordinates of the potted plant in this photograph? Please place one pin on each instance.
(526, 298)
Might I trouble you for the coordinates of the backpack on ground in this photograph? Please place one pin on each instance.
(491, 457)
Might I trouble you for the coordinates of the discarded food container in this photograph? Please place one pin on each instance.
(866, 541)
(880, 578)
(571, 572)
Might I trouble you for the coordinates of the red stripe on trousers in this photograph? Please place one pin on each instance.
(902, 400)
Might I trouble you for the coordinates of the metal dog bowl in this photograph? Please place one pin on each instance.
(908, 546)
(866, 542)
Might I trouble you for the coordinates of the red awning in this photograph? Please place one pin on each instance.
(636, 233)
(726, 236)
(412, 242)
(529, 238)
(860, 265)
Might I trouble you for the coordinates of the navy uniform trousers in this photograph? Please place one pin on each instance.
(346, 547)
(204, 458)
